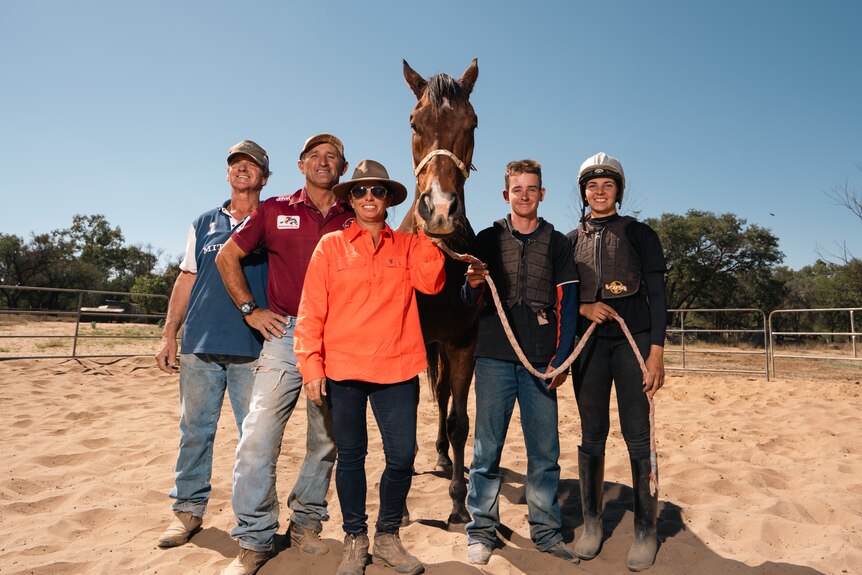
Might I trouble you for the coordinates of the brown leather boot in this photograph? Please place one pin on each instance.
(355, 556)
(389, 550)
(181, 529)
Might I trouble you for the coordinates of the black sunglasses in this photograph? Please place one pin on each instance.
(359, 192)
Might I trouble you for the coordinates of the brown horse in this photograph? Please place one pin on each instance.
(443, 122)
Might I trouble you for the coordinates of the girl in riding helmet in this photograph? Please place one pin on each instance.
(621, 267)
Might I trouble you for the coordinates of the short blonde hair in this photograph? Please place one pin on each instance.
(523, 167)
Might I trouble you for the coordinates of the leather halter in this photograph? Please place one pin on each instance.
(465, 171)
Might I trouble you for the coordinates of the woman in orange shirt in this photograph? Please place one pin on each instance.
(358, 340)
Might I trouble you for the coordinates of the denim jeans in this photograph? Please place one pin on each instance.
(203, 381)
(606, 360)
(277, 385)
(498, 385)
(394, 407)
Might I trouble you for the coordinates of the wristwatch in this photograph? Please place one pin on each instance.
(246, 307)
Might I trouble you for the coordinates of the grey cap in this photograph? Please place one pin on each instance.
(253, 151)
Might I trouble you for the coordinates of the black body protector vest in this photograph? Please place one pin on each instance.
(527, 275)
(607, 262)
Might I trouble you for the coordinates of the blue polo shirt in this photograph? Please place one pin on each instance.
(213, 323)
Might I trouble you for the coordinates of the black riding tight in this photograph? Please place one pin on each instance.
(605, 360)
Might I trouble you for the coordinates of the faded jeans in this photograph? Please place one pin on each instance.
(204, 378)
(498, 385)
(277, 386)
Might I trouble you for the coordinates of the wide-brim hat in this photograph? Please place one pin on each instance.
(368, 170)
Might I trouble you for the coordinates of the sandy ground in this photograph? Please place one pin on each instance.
(756, 477)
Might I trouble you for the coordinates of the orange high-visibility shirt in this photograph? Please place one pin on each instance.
(358, 318)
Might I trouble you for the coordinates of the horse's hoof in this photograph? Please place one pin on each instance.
(459, 517)
(444, 464)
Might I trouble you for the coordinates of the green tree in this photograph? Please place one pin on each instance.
(717, 261)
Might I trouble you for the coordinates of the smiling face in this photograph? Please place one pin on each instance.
(244, 175)
(601, 196)
(370, 210)
(322, 166)
(524, 193)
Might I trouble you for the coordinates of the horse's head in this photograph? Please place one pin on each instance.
(442, 122)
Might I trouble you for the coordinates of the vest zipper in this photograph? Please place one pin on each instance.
(598, 257)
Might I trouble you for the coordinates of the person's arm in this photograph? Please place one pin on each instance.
(178, 305)
(427, 273)
(658, 326)
(311, 318)
(228, 261)
(567, 311)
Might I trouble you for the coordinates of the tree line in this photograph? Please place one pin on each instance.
(714, 261)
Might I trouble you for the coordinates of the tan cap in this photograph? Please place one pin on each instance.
(322, 139)
(370, 170)
(253, 151)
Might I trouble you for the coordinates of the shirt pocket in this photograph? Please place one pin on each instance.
(350, 279)
(396, 278)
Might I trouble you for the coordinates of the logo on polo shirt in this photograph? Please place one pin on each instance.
(347, 223)
(288, 222)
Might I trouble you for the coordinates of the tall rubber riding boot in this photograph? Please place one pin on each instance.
(645, 545)
(591, 472)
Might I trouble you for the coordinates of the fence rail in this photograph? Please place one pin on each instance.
(852, 335)
(124, 312)
(684, 330)
(688, 325)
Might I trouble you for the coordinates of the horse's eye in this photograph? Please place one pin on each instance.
(413, 127)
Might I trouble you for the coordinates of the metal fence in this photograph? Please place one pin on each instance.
(690, 330)
(833, 336)
(67, 324)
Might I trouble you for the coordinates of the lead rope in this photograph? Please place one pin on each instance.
(504, 320)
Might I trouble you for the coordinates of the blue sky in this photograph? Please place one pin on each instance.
(128, 108)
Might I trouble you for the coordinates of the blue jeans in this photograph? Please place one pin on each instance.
(394, 407)
(277, 385)
(603, 361)
(203, 381)
(498, 385)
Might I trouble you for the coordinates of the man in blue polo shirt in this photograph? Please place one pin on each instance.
(219, 351)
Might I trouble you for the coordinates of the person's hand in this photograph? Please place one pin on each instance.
(166, 357)
(476, 274)
(655, 370)
(267, 322)
(315, 390)
(558, 379)
(598, 312)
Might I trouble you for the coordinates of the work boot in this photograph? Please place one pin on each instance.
(560, 551)
(181, 529)
(591, 471)
(389, 550)
(247, 562)
(306, 539)
(355, 555)
(478, 554)
(645, 545)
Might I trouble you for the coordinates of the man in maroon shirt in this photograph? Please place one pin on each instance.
(288, 227)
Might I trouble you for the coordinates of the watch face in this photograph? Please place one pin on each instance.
(247, 307)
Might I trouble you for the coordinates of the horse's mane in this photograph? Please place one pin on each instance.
(444, 86)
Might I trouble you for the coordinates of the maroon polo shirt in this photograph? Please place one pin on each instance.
(289, 227)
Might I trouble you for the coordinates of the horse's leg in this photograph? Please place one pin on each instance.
(461, 362)
(442, 392)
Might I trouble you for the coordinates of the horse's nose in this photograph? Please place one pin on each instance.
(440, 211)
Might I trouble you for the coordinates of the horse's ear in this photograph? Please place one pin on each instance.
(468, 79)
(416, 82)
